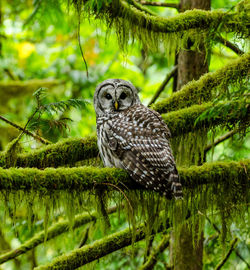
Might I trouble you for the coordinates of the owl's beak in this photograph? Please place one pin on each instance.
(116, 105)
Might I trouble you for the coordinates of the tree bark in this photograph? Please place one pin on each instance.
(186, 253)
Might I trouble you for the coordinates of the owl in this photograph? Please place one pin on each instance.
(135, 138)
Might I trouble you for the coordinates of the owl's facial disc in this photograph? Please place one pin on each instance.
(114, 95)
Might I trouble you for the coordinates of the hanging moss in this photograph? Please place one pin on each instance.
(66, 151)
(94, 251)
(131, 22)
(53, 231)
(204, 89)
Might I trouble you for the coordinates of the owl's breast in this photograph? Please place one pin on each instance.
(103, 141)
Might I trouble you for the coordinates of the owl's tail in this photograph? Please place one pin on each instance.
(176, 186)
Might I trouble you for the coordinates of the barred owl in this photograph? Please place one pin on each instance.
(135, 138)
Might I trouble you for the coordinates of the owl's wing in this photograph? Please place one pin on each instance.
(144, 151)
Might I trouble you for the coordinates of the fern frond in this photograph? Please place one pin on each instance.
(62, 106)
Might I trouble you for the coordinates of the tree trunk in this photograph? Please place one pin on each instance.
(186, 253)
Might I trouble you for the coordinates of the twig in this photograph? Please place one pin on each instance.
(158, 4)
(152, 260)
(142, 8)
(163, 85)
(116, 187)
(216, 236)
(232, 246)
(38, 138)
(230, 45)
(79, 41)
(221, 139)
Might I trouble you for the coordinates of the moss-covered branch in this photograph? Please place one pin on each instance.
(97, 250)
(179, 122)
(67, 151)
(227, 113)
(19, 88)
(188, 20)
(87, 178)
(53, 231)
(132, 22)
(202, 90)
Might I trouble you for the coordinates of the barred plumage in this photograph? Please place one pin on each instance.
(135, 138)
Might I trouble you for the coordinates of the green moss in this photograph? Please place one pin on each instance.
(206, 88)
(66, 151)
(132, 22)
(87, 178)
(94, 251)
(53, 231)
(207, 116)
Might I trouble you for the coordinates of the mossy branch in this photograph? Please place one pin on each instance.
(88, 178)
(98, 249)
(188, 20)
(66, 151)
(53, 231)
(185, 120)
(197, 92)
(152, 259)
(179, 122)
(19, 88)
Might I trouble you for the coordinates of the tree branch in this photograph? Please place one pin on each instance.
(67, 151)
(88, 178)
(55, 230)
(159, 4)
(98, 249)
(152, 260)
(221, 139)
(35, 136)
(163, 85)
(202, 90)
(230, 45)
(232, 246)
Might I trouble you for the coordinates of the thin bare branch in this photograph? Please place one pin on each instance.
(230, 45)
(35, 136)
(232, 246)
(221, 139)
(159, 4)
(152, 260)
(163, 85)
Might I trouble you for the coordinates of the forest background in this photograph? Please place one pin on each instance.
(40, 53)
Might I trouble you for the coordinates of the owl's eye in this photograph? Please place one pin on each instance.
(108, 96)
(123, 95)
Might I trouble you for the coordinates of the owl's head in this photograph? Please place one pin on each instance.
(114, 95)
